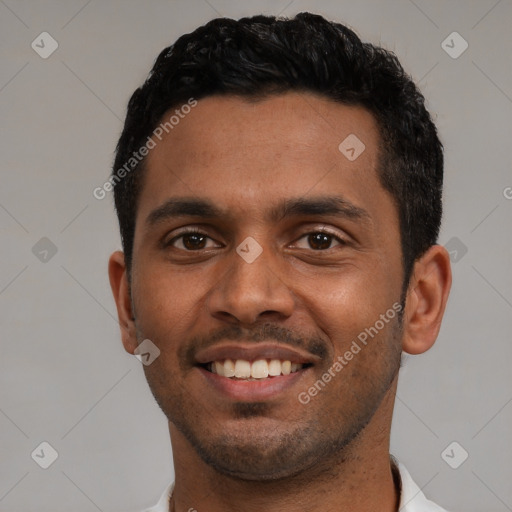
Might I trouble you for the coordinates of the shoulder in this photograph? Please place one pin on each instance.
(412, 498)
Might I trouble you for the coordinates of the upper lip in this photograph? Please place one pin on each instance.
(253, 352)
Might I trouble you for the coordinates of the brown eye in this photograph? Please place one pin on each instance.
(319, 241)
(191, 241)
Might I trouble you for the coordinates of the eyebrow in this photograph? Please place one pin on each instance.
(323, 205)
(183, 207)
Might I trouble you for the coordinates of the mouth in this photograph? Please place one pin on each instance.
(252, 372)
(260, 369)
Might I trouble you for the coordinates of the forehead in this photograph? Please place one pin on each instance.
(248, 153)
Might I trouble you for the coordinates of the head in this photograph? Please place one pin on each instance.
(261, 107)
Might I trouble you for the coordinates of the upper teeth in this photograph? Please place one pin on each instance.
(259, 369)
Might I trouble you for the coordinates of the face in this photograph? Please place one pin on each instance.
(262, 249)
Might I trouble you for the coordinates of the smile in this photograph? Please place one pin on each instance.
(256, 370)
(252, 372)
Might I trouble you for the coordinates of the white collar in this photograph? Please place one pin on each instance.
(412, 498)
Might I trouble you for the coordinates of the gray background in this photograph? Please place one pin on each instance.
(64, 376)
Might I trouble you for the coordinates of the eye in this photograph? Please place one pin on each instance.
(320, 240)
(192, 240)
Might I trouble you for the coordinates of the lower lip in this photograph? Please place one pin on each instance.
(251, 390)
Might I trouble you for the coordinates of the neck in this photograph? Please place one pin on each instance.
(360, 479)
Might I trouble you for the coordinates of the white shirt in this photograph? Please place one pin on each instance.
(411, 497)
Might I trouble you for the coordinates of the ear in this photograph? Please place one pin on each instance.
(427, 296)
(119, 283)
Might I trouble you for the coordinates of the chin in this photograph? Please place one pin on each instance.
(261, 453)
(250, 464)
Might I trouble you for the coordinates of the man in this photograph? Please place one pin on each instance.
(278, 187)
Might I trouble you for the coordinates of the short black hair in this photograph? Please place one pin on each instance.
(258, 56)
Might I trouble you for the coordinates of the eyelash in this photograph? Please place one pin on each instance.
(191, 231)
(194, 231)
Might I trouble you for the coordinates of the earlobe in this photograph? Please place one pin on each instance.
(427, 296)
(120, 289)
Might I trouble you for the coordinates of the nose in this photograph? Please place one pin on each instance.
(251, 292)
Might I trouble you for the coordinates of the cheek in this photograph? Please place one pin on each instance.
(166, 303)
(343, 306)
